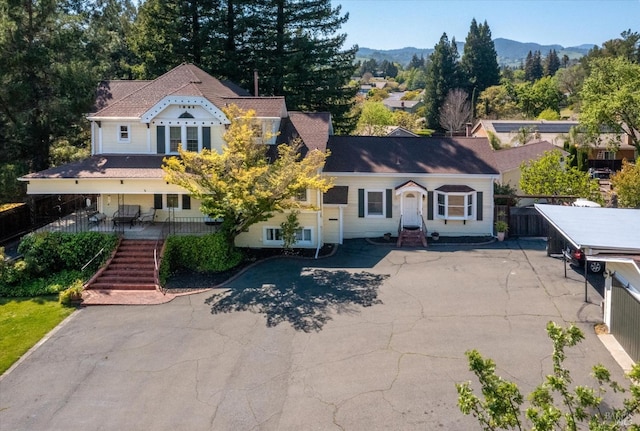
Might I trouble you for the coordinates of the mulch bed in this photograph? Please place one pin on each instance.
(185, 280)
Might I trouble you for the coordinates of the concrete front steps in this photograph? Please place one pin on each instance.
(131, 268)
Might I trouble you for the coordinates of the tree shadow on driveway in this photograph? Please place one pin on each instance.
(305, 300)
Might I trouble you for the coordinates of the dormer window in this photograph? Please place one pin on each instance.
(124, 134)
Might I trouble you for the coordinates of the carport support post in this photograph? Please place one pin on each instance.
(586, 266)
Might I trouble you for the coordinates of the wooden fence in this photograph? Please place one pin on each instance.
(625, 319)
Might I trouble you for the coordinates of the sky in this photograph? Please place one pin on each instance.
(393, 24)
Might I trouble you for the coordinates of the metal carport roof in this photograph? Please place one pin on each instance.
(596, 230)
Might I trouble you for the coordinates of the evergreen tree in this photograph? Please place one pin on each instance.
(479, 61)
(551, 63)
(533, 67)
(47, 78)
(416, 63)
(389, 70)
(299, 55)
(442, 75)
(108, 33)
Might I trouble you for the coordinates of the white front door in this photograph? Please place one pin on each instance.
(410, 213)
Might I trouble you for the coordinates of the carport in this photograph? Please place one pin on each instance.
(609, 235)
(595, 231)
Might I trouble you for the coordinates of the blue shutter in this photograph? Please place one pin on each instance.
(360, 202)
(160, 141)
(479, 206)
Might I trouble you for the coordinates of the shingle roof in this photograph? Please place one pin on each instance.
(184, 80)
(274, 107)
(107, 166)
(511, 158)
(368, 154)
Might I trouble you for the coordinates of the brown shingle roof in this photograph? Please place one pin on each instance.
(511, 158)
(107, 166)
(184, 80)
(410, 155)
(274, 107)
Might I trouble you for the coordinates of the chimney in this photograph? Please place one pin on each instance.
(255, 82)
(468, 129)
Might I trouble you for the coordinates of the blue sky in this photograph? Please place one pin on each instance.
(390, 24)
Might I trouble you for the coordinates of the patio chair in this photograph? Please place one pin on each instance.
(148, 216)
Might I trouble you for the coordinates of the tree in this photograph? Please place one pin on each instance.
(456, 111)
(416, 63)
(533, 67)
(373, 119)
(47, 79)
(239, 185)
(497, 102)
(626, 184)
(524, 135)
(443, 74)
(553, 403)
(551, 63)
(533, 98)
(549, 176)
(479, 61)
(611, 98)
(405, 119)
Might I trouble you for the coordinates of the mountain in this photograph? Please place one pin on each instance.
(510, 52)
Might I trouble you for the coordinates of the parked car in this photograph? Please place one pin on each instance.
(600, 174)
(577, 258)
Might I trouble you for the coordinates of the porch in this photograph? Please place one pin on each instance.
(85, 221)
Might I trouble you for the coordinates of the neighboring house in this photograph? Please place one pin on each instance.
(381, 183)
(397, 131)
(395, 103)
(608, 235)
(555, 132)
(509, 160)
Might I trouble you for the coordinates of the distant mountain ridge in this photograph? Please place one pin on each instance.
(510, 52)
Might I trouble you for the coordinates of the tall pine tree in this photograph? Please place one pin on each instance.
(479, 61)
(443, 74)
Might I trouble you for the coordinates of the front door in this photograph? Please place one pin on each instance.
(410, 213)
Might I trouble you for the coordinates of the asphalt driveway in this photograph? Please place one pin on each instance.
(372, 338)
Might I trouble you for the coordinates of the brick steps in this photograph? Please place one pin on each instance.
(411, 238)
(131, 268)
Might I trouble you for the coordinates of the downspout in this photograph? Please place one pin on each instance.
(319, 221)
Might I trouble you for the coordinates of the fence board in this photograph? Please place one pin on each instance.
(625, 320)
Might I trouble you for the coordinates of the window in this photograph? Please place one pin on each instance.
(374, 203)
(124, 134)
(175, 138)
(455, 202)
(192, 139)
(172, 201)
(273, 235)
(301, 196)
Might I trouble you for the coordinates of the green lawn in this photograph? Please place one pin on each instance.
(24, 321)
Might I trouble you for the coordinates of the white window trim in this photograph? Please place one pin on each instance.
(366, 203)
(446, 195)
(281, 242)
(183, 137)
(165, 201)
(119, 132)
(306, 197)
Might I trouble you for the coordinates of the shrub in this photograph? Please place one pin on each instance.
(72, 294)
(53, 261)
(208, 253)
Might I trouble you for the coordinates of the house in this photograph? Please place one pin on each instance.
(395, 103)
(608, 235)
(390, 183)
(509, 160)
(556, 132)
(382, 184)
